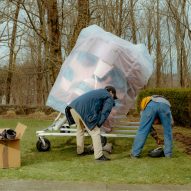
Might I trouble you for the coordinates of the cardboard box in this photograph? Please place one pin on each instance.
(10, 155)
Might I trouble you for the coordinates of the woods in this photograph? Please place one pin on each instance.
(37, 35)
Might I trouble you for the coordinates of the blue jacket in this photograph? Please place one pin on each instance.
(94, 107)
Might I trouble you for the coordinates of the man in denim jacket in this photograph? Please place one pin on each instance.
(89, 112)
(154, 107)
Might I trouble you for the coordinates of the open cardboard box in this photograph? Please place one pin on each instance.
(10, 155)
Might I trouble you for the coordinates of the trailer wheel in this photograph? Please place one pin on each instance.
(41, 147)
(103, 141)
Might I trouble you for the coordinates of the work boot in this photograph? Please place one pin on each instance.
(103, 158)
(86, 152)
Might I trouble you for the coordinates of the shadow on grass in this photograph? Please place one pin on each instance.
(61, 149)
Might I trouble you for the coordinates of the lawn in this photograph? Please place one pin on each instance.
(62, 163)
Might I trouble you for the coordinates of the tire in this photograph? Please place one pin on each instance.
(103, 141)
(43, 148)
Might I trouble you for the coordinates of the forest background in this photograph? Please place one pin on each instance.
(37, 35)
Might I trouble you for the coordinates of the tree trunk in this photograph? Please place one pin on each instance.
(149, 31)
(41, 65)
(185, 70)
(11, 55)
(55, 61)
(133, 22)
(39, 75)
(82, 21)
(170, 53)
(158, 50)
(182, 63)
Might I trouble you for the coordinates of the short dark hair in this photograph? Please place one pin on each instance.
(113, 90)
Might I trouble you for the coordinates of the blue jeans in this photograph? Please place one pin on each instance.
(148, 116)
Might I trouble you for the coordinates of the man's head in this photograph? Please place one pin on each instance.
(111, 90)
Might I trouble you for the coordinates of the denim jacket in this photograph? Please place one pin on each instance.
(94, 107)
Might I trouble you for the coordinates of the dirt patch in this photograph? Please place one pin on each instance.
(12, 113)
(185, 140)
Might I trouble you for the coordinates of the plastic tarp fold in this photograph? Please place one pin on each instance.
(98, 59)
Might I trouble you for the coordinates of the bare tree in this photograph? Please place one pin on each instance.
(170, 52)
(119, 10)
(43, 61)
(11, 56)
(150, 28)
(133, 21)
(48, 26)
(180, 32)
(83, 20)
(54, 39)
(159, 59)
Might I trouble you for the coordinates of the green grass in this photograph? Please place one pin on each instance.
(61, 162)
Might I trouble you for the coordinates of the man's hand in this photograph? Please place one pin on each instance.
(160, 141)
(107, 125)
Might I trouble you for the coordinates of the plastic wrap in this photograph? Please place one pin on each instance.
(98, 59)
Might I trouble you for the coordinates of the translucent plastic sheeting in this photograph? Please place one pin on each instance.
(100, 58)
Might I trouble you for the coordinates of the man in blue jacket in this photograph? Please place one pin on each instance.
(89, 112)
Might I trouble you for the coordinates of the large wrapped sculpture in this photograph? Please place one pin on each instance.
(98, 59)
